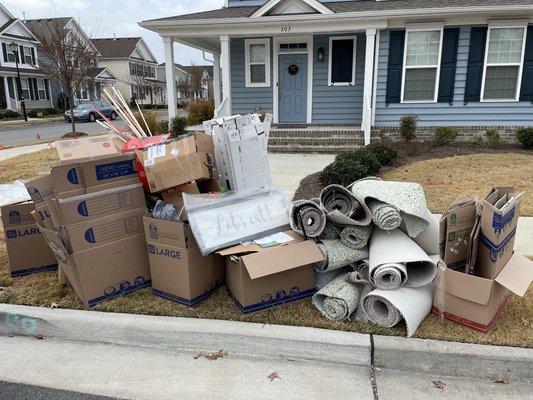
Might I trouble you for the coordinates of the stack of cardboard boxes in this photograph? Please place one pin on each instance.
(95, 225)
(479, 265)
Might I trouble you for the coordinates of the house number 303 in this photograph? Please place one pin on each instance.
(285, 28)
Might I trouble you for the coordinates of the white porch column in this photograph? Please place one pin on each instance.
(366, 123)
(170, 75)
(225, 63)
(6, 90)
(216, 79)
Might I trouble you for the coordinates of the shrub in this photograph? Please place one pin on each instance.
(384, 152)
(178, 125)
(350, 166)
(478, 141)
(200, 111)
(493, 137)
(9, 114)
(525, 136)
(151, 121)
(163, 127)
(445, 135)
(408, 125)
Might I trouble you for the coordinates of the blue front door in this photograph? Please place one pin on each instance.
(292, 88)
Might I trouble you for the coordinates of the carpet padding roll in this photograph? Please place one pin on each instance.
(343, 208)
(338, 255)
(387, 307)
(360, 277)
(331, 231)
(385, 216)
(407, 197)
(323, 278)
(395, 260)
(356, 237)
(309, 216)
(338, 299)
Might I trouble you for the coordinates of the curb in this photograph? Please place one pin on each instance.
(453, 358)
(270, 341)
(188, 334)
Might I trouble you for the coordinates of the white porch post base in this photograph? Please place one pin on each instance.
(170, 75)
(216, 80)
(366, 123)
(225, 63)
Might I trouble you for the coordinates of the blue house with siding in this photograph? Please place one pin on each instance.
(358, 66)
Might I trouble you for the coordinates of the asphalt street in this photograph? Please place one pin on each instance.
(17, 391)
(22, 134)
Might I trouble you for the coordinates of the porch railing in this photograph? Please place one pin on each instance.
(223, 109)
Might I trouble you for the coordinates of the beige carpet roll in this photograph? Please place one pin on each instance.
(331, 231)
(338, 255)
(389, 276)
(308, 216)
(360, 277)
(385, 216)
(356, 237)
(342, 207)
(338, 299)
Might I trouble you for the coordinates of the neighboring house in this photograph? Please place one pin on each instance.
(183, 75)
(464, 63)
(18, 45)
(98, 77)
(134, 65)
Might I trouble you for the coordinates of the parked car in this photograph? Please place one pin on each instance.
(86, 111)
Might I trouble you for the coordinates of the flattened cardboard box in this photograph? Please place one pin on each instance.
(27, 251)
(262, 278)
(477, 302)
(106, 271)
(97, 232)
(497, 232)
(178, 270)
(41, 189)
(83, 148)
(99, 204)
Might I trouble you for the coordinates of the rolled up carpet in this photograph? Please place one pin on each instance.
(360, 277)
(343, 208)
(395, 260)
(307, 215)
(356, 237)
(331, 231)
(338, 255)
(407, 197)
(387, 307)
(385, 216)
(338, 299)
(429, 239)
(323, 278)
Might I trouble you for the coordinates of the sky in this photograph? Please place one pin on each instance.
(103, 18)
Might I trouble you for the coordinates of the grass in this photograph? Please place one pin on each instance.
(470, 175)
(513, 328)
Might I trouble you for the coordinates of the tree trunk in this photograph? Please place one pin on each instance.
(72, 120)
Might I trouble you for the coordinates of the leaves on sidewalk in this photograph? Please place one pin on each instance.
(39, 337)
(503, 381)
(198, 355)
(54, 305)
(212, 356)
(273, 375)
(439, 384)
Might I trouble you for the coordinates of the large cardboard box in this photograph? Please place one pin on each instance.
(27, 251)
(41, 189)
(260, 278)
(497, 232)
(477, 302)
(70, 150)
(98, 204)
(107, 229)
(179, 272)
(106, 271)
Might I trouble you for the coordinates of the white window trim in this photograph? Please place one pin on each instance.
(27, 88)
(330, 57)
(520, 66)
(247, 64)
(404, 68)
(39, 80)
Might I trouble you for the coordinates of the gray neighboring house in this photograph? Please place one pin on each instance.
(182, 74)
(463, 63)
(17, 41)
(98, 77)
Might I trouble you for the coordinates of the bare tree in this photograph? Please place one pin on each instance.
(197, 79)
(184, 86)
(65, 57)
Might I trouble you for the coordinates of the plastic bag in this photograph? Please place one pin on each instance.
(166, 211)
(11, 193)
(220, 220)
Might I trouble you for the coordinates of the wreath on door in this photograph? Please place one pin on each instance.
(293, 69)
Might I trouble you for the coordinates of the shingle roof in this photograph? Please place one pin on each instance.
(352, 6)
(116, 47)
(43, 27)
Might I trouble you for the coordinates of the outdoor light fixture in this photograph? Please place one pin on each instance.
(320, 54)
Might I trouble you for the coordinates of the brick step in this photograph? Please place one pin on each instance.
(307, 141)
(331, 149)
(315, 134)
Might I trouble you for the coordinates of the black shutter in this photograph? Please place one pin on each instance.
(394, 70)
(21, 54)
(526, 90)
(448, 64)
(33, 56)
(476, 59)
(31, 84)
(46, 89)
(341, 60)
(4, 50)
(11, 87)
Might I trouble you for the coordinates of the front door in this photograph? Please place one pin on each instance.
(292, 88)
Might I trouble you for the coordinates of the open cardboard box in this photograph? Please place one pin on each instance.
(179, 272)
(477, 302)
(84, 148)
(260, 278)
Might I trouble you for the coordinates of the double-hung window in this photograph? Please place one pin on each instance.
(421, 65)
(257, 62)
(82, 92)
(25, 86)
(342, 60)
(10, 53)
(27, 56)
(41, 89)
(503, 63)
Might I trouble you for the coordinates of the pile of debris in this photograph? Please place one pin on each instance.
(189, 215)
